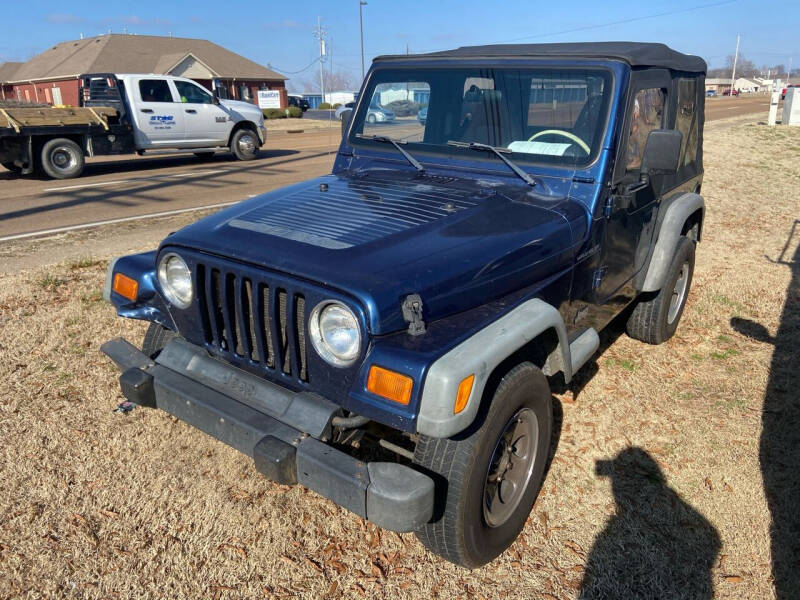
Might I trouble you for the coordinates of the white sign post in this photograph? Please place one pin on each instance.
(773, 108)
(269, 99)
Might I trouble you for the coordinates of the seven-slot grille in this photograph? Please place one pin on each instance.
(254, 320)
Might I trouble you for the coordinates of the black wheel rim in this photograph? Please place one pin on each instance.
(511, 467)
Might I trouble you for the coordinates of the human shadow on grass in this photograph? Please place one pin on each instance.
(656, 545)
(779, 449)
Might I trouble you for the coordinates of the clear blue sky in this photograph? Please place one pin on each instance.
(280, 33)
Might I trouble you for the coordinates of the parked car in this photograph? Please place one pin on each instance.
(150, 112)
(730, 93)
(379, 114)
(710, 93)
(299, 102)
(422, 115)
(343, 109)
(387, 334)
(783, 91)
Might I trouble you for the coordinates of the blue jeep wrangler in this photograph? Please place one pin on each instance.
(387, 335)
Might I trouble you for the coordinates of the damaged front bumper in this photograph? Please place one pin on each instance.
(284, 432)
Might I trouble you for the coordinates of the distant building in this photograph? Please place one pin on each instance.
(720, 85)
(52, 76)
(746, 86)
(7, 69)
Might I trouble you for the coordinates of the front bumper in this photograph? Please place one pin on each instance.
(284, 432)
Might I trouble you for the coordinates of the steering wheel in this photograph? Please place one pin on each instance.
(570, 136)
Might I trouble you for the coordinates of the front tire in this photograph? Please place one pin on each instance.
(655, 317)
(477, 518)
(156, 337)
(244, 144)
(62, 159)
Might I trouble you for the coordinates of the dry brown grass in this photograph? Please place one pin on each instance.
(96, 504)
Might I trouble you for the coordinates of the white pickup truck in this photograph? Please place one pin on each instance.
(121, 114)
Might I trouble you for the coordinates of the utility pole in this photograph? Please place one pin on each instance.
(735, 58)
(320, 32)
(789, 72)
(361, 4)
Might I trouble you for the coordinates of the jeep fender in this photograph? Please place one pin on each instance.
(669, 230)
(479, 355)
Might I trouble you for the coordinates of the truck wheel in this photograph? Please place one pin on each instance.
(156, 337)
(656, 316)
(493, 474)
(244, 144)
(12, 167)
(62, 159)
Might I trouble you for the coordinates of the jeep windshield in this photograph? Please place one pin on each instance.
(555, 116)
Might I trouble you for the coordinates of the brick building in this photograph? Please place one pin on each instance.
(52, 76)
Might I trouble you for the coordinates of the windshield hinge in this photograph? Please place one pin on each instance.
(609, 207)
(412, 313)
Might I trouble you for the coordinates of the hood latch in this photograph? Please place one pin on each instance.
(412, 313)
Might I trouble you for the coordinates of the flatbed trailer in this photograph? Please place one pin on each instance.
(58, 138)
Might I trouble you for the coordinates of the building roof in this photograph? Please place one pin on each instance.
(7, 70)
(123, 53)
(718, 81)
(636, 54)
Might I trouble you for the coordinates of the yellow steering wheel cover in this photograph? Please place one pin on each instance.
(566, 134)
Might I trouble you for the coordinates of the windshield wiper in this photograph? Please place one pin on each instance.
(500, 152)
(396, 143)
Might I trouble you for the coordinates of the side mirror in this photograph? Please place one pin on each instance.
(346, 117)
(662, 151)
(216, 84)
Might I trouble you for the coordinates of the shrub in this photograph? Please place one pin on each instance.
(404, 108)
(274, 113)
(337, 105)
(324, 106)
(295, 112)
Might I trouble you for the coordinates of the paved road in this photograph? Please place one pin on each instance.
(117, 188)
(120, 188)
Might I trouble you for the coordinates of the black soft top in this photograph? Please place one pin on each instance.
(636, 54)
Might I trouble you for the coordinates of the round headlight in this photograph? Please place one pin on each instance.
(334, 333)
(176, 280)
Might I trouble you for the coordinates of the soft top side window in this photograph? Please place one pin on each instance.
(648, 114)
(686, 119)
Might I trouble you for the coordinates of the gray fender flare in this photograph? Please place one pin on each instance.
(669, 231)
(479, 355)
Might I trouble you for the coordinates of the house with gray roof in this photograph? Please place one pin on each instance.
(52, 76)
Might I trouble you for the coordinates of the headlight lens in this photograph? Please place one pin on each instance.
(176, 280)
(335, 333)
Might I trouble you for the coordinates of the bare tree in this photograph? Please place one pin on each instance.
(334, 82)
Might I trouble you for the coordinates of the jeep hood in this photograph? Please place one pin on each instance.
(380, 235)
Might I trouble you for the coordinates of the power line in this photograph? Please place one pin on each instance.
(306, 68)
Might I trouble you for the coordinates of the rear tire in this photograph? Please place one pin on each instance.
(156, 337)
(12, 167)
(244, 144)
(476, 518)
(62, 159)
(656, 316)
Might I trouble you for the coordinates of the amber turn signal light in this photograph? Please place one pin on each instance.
(462, 395)
(125, 286)
(390, 385)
